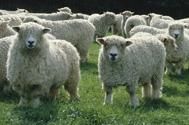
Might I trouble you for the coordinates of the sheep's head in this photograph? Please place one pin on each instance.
(126, 14)
(176, 30)
(113, 47)
(109, 17)
(30, 35)
(31, 19)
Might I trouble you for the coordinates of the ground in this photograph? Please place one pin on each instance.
(172, 109)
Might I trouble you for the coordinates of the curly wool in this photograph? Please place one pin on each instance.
(13, 19)
(132, 22)
(5, 29)
(102, 22)
(78, 31)
(53, 63)
(140, 62)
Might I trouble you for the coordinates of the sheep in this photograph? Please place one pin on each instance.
(120, 20)
(175, 64)
(160, 21)
(65, 9)
(52, 16)
(102, 22)
(79, 32)
(132, 22)
(4, 47)
(37, 66)
(147, 29)
(5, 12)
(13, 19)
(129, 62)
(5, 29)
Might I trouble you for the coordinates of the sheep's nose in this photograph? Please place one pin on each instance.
(113, 54)
(30, 42)
(176, 35)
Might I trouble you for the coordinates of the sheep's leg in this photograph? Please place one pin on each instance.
(35, 102)
(147, 90)
(53, 92)
(178, 68)
(23, 102)
(156, 87)
(83, 52)
(170, 69)
(108, 98)
(134, 102)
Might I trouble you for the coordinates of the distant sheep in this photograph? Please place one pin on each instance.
(102, 22)
(65, 9)
(122, 63)
(38, 66)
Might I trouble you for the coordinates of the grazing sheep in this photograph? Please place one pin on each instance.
(13, 19)
(102, 22)
(175, 64)
(65, 9)
(129, 62)
(18, 11)
(146, 29)
(52, 16)
(38, 66)
(78, 31)
(120, 20)
(132, 22)
(160, 21)
(5, 29)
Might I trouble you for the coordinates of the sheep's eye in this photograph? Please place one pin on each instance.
(34, 87)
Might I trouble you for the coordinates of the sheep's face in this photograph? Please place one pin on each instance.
(176, 30)
(113, 48)
(29, 94)
(30, 35)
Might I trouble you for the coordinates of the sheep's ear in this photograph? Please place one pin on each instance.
(127, 43)
(186, 25)
(101, 41)
(16, 28)
(46, 30)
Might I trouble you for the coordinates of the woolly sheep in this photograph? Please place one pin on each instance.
(65, 9)
(159, 21)
(79, 16)
(122, 63)
(5, 29)
(38, 66)
(102, 22)
(120, 20)
(4, 47)
(147, 29)
(52, 16)
(5, 12)
(132, 22)
(176, 63)
(79, 32)
(13, 19)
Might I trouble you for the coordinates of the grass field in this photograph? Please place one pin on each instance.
(172, 109)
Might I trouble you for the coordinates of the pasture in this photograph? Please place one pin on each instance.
(172, 109)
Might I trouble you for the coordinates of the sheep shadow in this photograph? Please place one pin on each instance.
(41, 116)
(11, 97)
(173, 91)
(150, 105)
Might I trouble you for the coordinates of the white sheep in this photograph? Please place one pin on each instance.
(175, 64)
(129, 62)
(13, 19)
(65, 9)
(146, 29)
(38, 66)
(78, 31)
(120, 20)
(160, 21)
(79, 16)
(52, 16)
(5, 29)
(102, 22)
(133, 21)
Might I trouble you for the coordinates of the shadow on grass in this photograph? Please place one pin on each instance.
(9, 97)
(89, 67)
(173, 91)
(39, 116)
(157, 104)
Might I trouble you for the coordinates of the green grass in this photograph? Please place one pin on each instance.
(172, 109)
